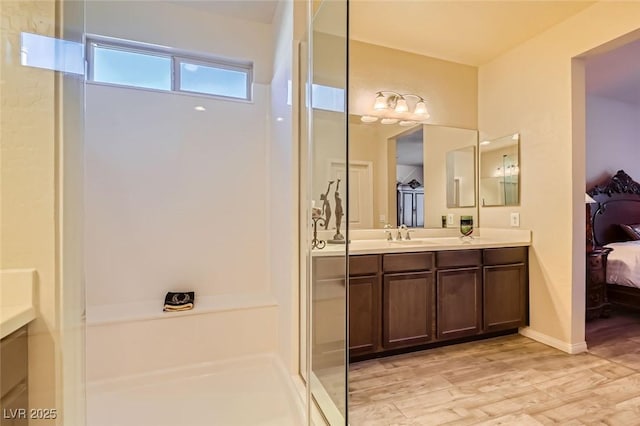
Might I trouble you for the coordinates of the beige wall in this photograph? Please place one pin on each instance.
(530, 89)
(28, 186)
(450, 90)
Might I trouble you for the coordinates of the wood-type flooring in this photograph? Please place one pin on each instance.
(507, 380)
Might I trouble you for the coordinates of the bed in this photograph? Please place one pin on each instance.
(617, 203)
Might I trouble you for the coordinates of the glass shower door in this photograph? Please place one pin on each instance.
(327, 215)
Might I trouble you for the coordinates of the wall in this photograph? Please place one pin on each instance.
(612, 136)
(450, 92)
(175, 198)
(28, 187)
(538, 90)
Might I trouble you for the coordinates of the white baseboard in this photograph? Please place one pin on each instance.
(570, 348)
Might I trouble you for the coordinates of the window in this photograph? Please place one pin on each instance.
(137, 65)
(129, 68)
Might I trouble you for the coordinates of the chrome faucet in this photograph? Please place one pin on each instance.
(387, 230)
(400, 228)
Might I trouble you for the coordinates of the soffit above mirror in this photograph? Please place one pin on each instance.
(490, 28)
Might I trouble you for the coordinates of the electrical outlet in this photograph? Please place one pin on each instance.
(515, 219)
(450, 219)
(383, 218)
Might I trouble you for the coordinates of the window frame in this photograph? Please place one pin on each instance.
(177, 58)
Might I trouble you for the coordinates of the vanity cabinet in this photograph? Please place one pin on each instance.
(422, 299)
(459, 290)
(408, 309)
(505, 288)
(364, 304)
(407, 299)
(13, 377)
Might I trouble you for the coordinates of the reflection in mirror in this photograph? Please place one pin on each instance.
(500, 171)
(385, 161)
(461, 177)
(410, 179)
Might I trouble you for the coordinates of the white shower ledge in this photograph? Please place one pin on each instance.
(152, 309)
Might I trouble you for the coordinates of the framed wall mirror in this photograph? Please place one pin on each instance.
(500, 171)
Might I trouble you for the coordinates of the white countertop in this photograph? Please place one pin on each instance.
(16, 299)
(14, 317)
(429, 241)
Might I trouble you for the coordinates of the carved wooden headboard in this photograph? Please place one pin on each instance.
(618, 201)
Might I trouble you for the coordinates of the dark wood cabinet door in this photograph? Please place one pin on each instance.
(459, 306)
(408, 308)
(505, 297)
(364, 315)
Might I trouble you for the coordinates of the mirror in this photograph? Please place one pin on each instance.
(461, 177)
(400, 175)
(500, 171)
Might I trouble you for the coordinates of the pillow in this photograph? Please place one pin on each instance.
(632, 230)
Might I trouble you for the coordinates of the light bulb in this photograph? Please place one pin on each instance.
(421, 108)
(368, 119)
(381, 102)
(401, 106)
(406, 123)
(389, 120)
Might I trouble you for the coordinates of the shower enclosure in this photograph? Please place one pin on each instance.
(119, 187)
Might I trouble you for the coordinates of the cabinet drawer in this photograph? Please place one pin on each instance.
(12, 403)
(363, 265)
(458, 258)
(504, 256)
(13, 353)
(407, 262)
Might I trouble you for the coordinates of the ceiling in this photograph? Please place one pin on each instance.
(467, 32)
(249, 10)
(615, 74)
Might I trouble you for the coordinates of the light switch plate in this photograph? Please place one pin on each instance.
(515, 219)
(450, 219)
(383, 218)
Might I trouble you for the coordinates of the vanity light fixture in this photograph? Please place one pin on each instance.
(392, 107)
